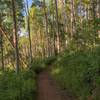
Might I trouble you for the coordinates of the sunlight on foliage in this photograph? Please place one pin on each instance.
(56, 71)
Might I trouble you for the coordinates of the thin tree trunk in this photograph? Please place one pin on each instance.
(2, 52)
(1, 45)
(93, 9)
(46, 28)
(57, 25)
(29, 33)
(72, 18)
(53, 27)
(64, 14)
(15, 36)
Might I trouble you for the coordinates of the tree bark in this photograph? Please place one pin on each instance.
(57, 26)
(29, 33)
(2, 51)
(1, 45)
(46, 28)
(72, 18)
(15, 36)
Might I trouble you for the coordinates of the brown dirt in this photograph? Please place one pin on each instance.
(47, 89)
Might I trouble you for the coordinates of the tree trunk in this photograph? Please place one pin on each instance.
(15, 36)
(2, 52)
(29, 33)
(1, 45)
(57, 26)
(72, 18)
(46, 28)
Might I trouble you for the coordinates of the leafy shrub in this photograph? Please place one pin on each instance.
(17, 87)
(79, 72)
(50, 60)
(38, 65)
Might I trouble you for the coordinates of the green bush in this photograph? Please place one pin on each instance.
(50, 60)
(79, 72)
(17, 87)
(38, 65)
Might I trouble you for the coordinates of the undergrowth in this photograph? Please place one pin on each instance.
(79, 73)
(20, 86)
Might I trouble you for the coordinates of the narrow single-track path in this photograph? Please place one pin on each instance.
(47, 90)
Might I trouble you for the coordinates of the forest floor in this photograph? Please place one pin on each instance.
(49, 90)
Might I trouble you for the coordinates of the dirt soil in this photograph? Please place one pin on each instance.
(48, 90)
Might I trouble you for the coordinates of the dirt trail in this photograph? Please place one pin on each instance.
(47, 90)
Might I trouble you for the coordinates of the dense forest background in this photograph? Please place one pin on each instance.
(63, 34)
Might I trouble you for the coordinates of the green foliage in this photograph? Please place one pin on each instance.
(17, 87)
(79, 72)
(48, 61)
(38, 65)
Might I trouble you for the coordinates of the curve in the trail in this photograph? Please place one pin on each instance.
(47, 89)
